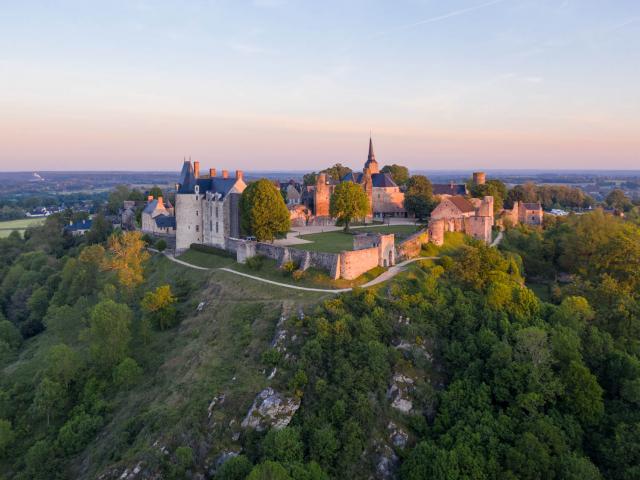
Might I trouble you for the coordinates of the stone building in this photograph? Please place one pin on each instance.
(385, 197)
(292, 191)
(207, 207)
(444, 190)
(158, 218)
(457, 214)
(523, 212)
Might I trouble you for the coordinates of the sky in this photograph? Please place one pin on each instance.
(299, 85)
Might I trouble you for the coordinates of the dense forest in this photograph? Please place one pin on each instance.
(494, 380)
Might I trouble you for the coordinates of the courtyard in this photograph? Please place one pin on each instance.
(336, 241)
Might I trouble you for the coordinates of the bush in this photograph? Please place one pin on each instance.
(289, 267)
(236, 468)
(146, 238)
(161, 245)
(127, 373)
(77, 432)
(298, 274)
(271, 357)
(255, 263)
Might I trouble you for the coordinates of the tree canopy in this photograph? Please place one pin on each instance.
(263, 211)
(418, 198)
(399, 173)
(348, 202)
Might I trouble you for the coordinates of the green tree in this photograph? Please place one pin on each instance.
(263, 211)
(399, 173)
(78, 431)
(583, 393)
(127, 373)
(7, 436)
(161, 245)
(284, 445)
(100, 229)
(155, 192)
(236, 468)
(109, 334)
(63, 364)
(418, 199)
(9, 333)
(494, 188)
(348, 202)
(49, 398)
(337, 172)
(269, 470)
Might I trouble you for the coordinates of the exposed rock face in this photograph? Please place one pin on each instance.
(270, 409)
(399, 391)
(397, 436)
(387, 463)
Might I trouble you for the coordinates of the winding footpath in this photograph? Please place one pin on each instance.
(389, 274)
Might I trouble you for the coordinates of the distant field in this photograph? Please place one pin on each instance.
(337, 241)
(20, 225)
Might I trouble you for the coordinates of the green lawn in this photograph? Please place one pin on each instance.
(20, 225)
(338, 241)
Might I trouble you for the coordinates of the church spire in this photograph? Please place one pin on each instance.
(371, 164)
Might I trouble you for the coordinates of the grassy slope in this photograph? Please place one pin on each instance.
(215, 351)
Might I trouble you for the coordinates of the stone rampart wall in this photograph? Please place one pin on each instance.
(411, 246)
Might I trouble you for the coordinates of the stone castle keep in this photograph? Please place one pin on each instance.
(207, 206)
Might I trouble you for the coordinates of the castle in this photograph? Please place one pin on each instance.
(207, 207)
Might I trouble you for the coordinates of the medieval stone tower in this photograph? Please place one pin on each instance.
(479, 178)
(321, 196)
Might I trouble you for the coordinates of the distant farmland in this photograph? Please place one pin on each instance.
(20, 225)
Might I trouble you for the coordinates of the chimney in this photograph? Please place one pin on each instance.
(225, 173)
(196, 169)
(212, 173)
(150, 198)
(239, 175)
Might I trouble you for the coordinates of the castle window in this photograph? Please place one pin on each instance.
(197, 228)
(216, 227)
(196, 213)
(210, 224)
(216, 211)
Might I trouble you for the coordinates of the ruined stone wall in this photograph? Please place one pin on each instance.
(411, 246)
(479, 228)
(364, 240)
(356, 262)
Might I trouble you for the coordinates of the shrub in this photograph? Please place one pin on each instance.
(127, 373)
(298, 274)
(146, 238)
(255, 263)
(236, 468)
(288, 267)
(271, 357)
(161, 245)
(76, 433)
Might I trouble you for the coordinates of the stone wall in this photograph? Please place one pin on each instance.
(436, 231)
(356, 262)
(411, 246)
(479, 228)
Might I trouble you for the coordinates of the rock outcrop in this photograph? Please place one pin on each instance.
(270, 410)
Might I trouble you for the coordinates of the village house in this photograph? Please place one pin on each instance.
(158, 218)
(473, 217)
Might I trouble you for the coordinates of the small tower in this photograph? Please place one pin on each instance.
(479, 178)
(371, 162)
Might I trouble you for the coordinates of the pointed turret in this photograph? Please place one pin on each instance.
(371, 163)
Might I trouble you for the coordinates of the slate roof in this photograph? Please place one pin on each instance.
(380, 180)
(449, 189)
(462, 203)
(188, 181)
(165, 221)
(78, 226)
(532, 206)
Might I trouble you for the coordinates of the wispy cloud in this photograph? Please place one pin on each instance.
(439, 18)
